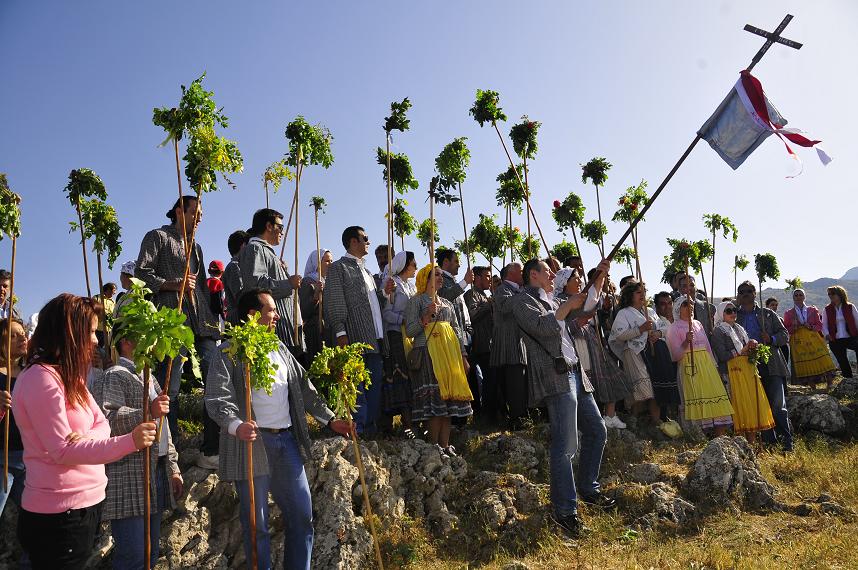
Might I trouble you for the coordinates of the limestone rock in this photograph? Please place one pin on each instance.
(847, 389)
(727, 473)
(645, 473)
(819, 412)
(670, 506)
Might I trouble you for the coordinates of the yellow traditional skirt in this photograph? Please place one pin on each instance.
(810, 357)
(751, 410)
(446, 354)
(705, 399)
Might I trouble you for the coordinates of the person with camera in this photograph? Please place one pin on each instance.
(555, 381)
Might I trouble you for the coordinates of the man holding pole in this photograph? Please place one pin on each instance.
(353, 312)
(161, 266)
(261, 268)
(279, 435)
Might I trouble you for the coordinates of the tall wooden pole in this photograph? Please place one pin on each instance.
(521, 183)
(6, 420)
(248, 414)
(432, 247)
(465, 228)
(288, 226)
(599, 210)
(389, 186)
(527, 200)
(296, 311)
(690, 301)
(712, 283)
(366, 504)
(319, 269)
(83, 247)
(147, 489)
(265, 184)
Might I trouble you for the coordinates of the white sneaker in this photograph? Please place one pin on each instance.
(208, 461)
(618, 423)
(614, 422)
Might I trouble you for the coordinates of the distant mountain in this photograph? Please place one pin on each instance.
(815, 291)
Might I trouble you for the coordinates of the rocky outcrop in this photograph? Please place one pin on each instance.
(727, 474)
(816, 412)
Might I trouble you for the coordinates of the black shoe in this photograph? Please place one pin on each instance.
(571, 525)
(600, 500)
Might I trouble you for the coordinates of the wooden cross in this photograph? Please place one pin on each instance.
(771, 38)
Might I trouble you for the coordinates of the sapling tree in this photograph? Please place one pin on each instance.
(101, 224)
(596, 171)
(487, 238)
(740, 263)
(207, 154)
(318, 204)
(630, 203)
(309, 145)
(273, 177)
(339, 372)
(84, 183)
(626, 255)
(510, 196)
(564, 250)
(396, 121)
(527, 245)
(450, 165)
(427, 233)
(486, 109)
(157, 334)
(717, 223)
(594, 232)
(793, 284)
(10, 225)
(569, 215)
(251, 344)
(404, 223)
(523, 136)
(766, 267)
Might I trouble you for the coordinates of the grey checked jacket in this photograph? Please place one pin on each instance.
(507, 347)
(774, 327)
(120, 394)
(538, 321)
(346, 304)
(225, 403)
(260, 267)
(162, 259)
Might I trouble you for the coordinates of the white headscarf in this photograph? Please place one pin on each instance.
(677, 307)
(735, 332)
(561, 279)
(396, 266)
(311, 268)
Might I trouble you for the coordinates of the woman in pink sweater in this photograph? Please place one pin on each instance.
(66, 437)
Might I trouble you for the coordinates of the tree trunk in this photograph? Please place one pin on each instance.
(248, 413)
(7, 417)
(83, 248)
(599, 210)
(465, 228)
(712, 283)
(147, 483)
(296, 311)
(527, 201)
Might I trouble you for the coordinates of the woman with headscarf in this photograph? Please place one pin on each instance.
(732, 347)
(611, 383)
(310, 300)
(397, 394)
(632, 329)
(703, 395)
(437, 363)
(811, 361)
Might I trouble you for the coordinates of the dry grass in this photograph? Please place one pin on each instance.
(725, 540)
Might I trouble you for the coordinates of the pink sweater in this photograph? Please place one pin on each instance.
(61, 475)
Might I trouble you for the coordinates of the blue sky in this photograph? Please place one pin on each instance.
(631, 81)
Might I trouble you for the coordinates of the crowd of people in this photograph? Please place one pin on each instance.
(541, 341)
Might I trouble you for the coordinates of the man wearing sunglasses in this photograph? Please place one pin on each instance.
(764, 326)
(261, 268)
(353, 312)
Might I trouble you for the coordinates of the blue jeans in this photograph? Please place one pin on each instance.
(15, 483)
(128, 532)
(566, 414)
(369, 401)
(205, 346)
(261, 486)
(774, 387)
(291, 491)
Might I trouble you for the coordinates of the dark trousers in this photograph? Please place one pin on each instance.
(211, 431)
(63, 540)
(512, 379)
(839, 347)
(486, 399)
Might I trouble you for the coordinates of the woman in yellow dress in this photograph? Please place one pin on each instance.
(704, 397)
(811, 360)
(732, 346)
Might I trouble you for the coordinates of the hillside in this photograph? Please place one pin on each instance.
(815, 291)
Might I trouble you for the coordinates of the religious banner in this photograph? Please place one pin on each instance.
(744, 119)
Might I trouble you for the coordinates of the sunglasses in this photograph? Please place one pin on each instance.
(730, 311)
(365, 238)
(745, 291)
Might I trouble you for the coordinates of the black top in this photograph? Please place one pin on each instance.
(15, 443)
